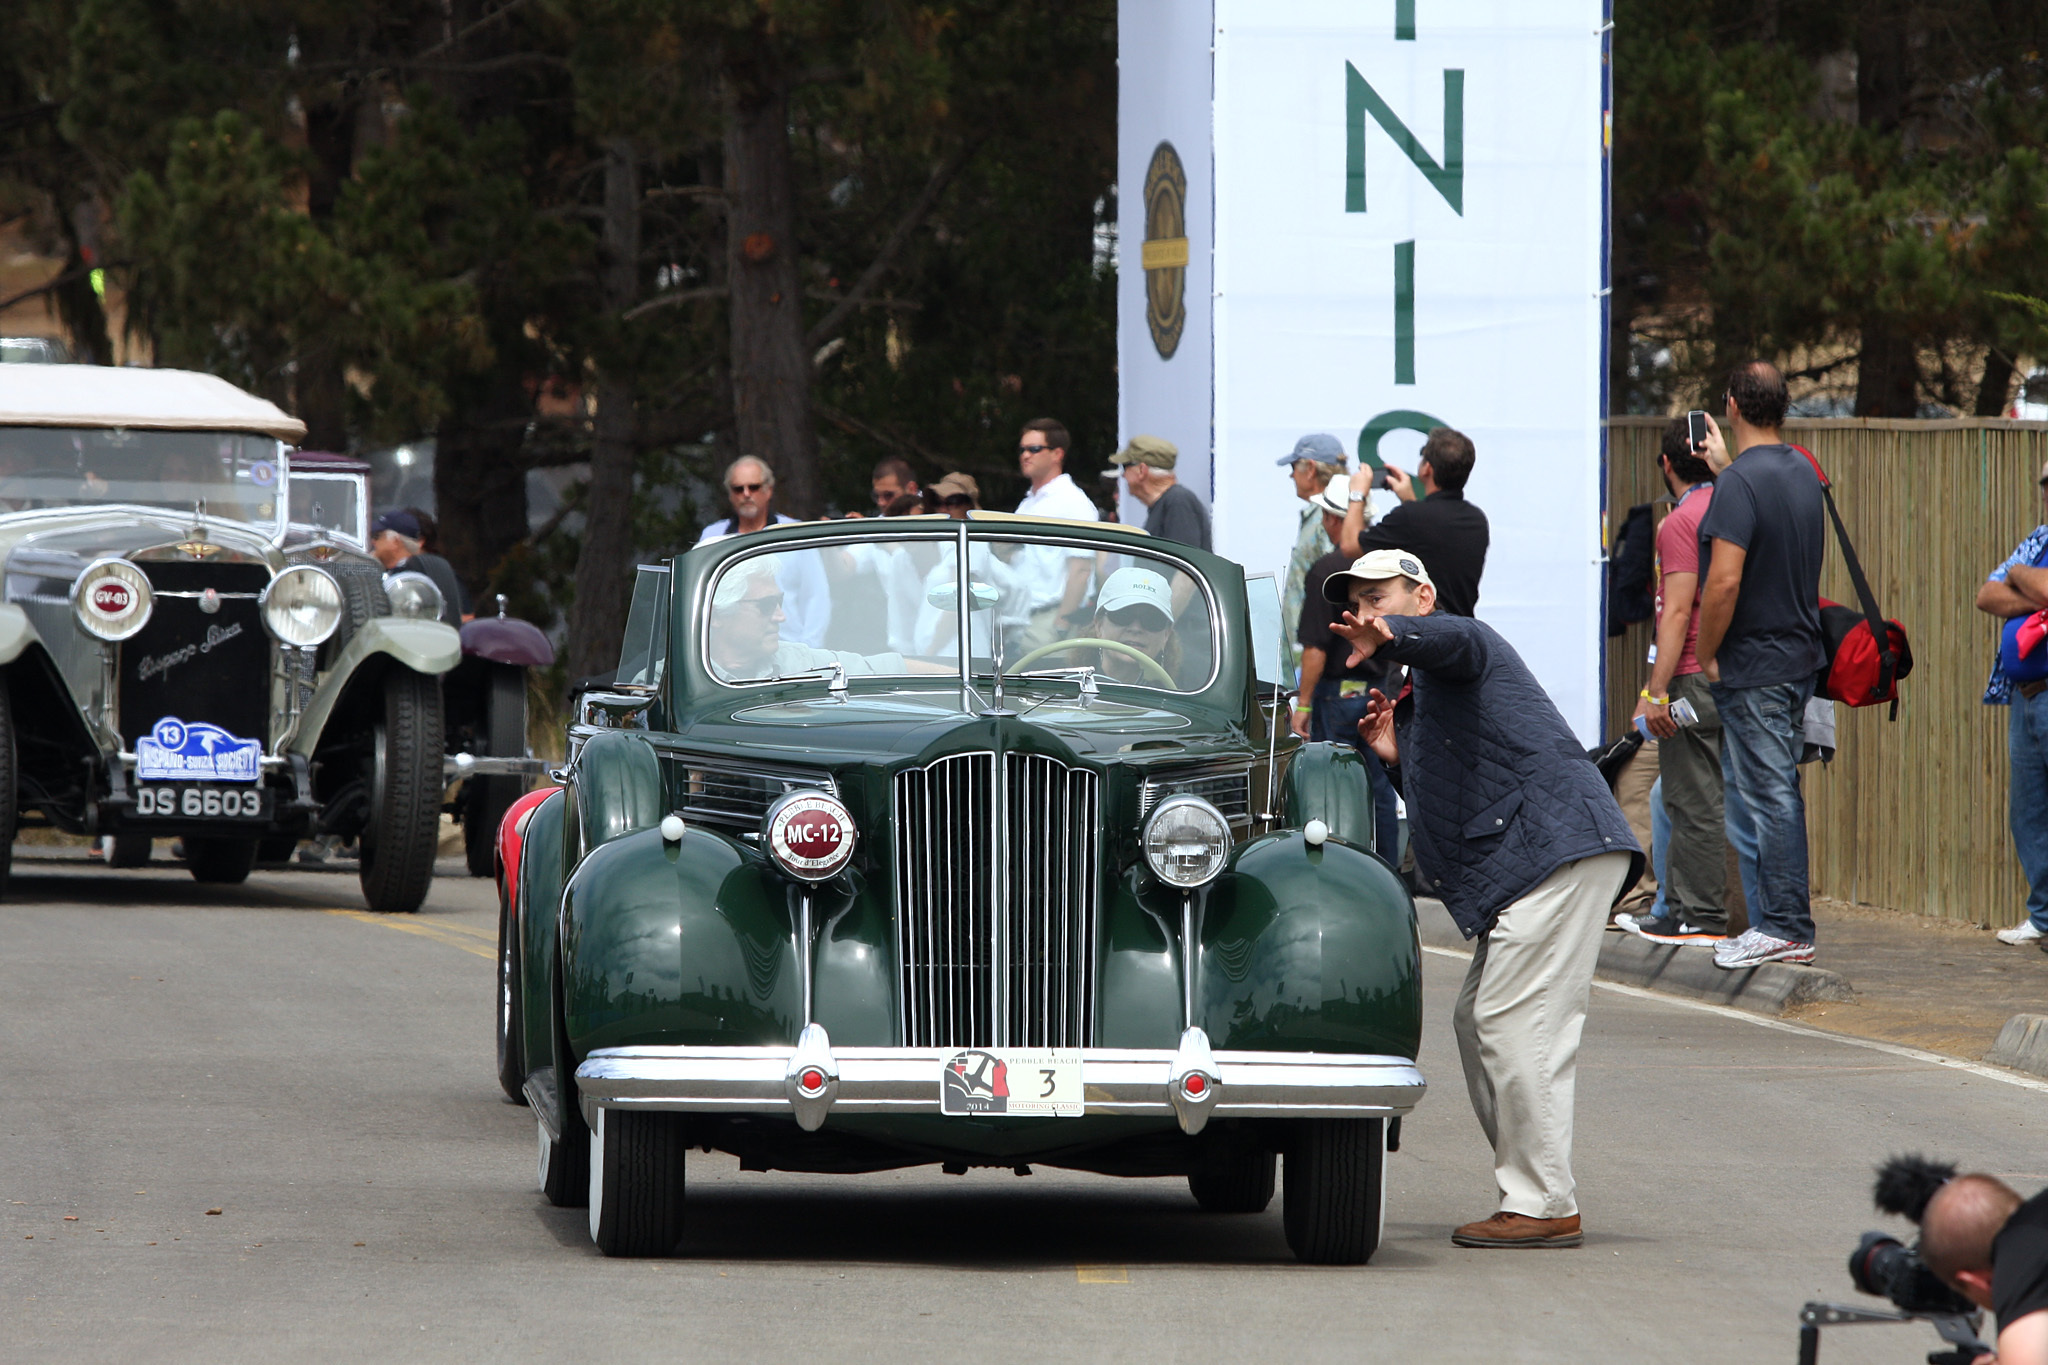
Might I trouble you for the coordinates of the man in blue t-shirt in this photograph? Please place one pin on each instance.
(2019, 587)
(1760, 647)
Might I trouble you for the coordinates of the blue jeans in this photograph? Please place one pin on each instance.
(1741, 834)
(1763, 730)
(1335, 718)
(2026, 749)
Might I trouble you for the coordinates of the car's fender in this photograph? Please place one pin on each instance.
(16, 634)
(423, 646)
(1328, 782)
(540, 901)
(511, 841)
(1308, 948)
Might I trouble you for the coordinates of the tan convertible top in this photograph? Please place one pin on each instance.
(141, 400)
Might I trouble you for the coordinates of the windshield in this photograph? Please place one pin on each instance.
(894, 607)
(328, 502)
(235, 475)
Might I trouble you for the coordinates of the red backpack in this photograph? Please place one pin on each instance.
(1860, 671)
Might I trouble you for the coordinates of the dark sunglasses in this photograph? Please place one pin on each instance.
(1033, 450)
(767, 606)
(1140, 618)
(956, 500)
(746, 487)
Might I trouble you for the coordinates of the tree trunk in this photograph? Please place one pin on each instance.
(771, 372)
(1994, 390)
(480, 481)
(604, 568)
(1888, 375)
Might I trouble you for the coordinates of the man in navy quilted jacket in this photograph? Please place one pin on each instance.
(1516, 832)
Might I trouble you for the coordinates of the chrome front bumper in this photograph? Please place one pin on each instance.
(1191, 1084)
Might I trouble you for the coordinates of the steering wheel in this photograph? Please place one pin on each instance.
(1146, 661)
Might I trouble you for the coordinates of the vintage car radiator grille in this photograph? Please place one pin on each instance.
(959, 944)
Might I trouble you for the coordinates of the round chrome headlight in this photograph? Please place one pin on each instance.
(414, 596)
(302, 606)
(810, 835)
(1186, 841)
(111, 599)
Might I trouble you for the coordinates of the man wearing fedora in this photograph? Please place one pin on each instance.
(1515, 831)
(1173, 512)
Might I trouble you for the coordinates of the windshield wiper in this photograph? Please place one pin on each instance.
(836, 670)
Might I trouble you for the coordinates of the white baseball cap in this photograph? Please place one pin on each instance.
(1136, 588)
(1375, 567)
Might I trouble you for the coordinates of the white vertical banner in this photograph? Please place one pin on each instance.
(1165, 233)
(1408, 231)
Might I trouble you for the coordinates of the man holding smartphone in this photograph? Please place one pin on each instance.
(1689, 756)
(1448, 533)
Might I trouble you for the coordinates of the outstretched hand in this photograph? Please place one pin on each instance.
(1377, 727)
(1366, 636)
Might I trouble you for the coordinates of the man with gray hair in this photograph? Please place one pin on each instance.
(750, 486)
(1316, 459)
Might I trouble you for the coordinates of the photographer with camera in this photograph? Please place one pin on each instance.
(1992, 1247)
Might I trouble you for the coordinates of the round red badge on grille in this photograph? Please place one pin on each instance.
(1195, 1085)
(112, 598)
(810, 835)
(812, 1080)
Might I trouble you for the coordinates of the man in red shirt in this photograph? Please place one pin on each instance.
(1688, 756)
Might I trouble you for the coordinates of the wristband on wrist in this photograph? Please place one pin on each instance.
(1655, 701)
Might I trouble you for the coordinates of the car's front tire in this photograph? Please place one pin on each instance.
(1334, 1197)
(636, 1183)
(511, 1007)
(405, 775)
(1244, 1184)
(220, 862)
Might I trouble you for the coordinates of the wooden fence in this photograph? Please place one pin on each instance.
(1912, 814)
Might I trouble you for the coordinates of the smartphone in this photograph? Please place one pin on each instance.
(1696, 428)
(1380, 479)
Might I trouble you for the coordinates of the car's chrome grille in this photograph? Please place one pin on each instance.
(957, 986)
(1229, 789)
(735, 796)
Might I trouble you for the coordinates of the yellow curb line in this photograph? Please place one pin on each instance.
(431, 931)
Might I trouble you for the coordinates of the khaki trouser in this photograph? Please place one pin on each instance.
(1518, 1021)
(1632, 793)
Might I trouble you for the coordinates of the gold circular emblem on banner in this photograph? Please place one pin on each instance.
(1165, 253)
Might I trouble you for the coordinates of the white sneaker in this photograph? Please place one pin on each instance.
(2023, 932)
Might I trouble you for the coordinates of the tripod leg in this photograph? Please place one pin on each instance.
(1809, 1344)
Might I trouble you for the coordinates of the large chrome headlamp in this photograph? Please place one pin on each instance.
(302, 606)
(414, 596)
(1186, 841)
(111, 599)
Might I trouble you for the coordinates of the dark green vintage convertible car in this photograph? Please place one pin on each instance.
(959, 842)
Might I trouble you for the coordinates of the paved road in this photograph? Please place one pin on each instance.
(323, 1078)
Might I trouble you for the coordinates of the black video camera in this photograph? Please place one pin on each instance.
(1886, 1267)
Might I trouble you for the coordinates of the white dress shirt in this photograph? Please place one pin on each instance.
(1043, 568)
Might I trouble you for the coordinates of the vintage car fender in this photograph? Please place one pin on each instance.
(507, 640)
(1309, 948)
(423, 646)
(540, 901)
(1328, 782)
(16, 634)
(692, 942)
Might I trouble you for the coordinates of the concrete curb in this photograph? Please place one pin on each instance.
(1772, 989)
(2022, 1044)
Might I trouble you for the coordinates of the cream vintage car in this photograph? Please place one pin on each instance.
(179, 662)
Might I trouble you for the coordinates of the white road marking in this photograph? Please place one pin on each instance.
(1990, 1073)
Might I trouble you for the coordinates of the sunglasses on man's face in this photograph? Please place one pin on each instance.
(957, 500)
(1032, 450)
(746, 487)
(767, 606)
(1146, 619)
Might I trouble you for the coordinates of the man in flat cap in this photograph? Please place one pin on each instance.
(1175, 513)
(1516, 832)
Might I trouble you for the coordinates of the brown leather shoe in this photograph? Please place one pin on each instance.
(1506, 1229)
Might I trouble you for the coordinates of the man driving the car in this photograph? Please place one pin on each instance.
(1135, 609)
